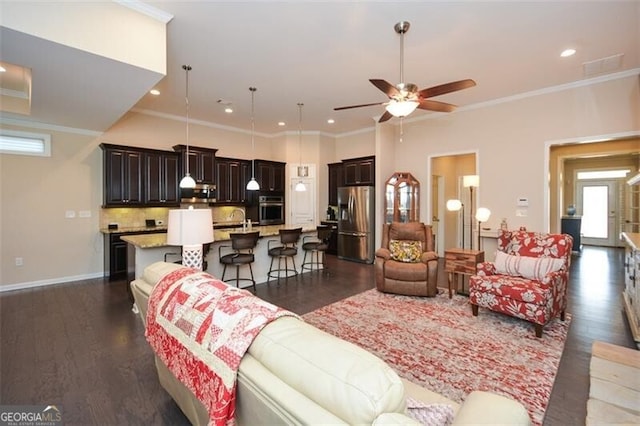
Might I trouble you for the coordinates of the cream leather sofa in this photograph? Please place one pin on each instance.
(295, 373)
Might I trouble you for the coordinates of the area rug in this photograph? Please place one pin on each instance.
(437, 343)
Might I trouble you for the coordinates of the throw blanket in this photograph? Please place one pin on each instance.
(200, 328)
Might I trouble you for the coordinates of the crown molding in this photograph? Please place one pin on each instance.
(46, 126)
(146, 9)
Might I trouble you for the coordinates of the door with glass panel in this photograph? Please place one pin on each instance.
(597, 206)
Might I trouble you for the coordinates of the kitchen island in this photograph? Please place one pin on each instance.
(150, 248)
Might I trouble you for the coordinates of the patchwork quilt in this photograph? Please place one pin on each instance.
(201, 328)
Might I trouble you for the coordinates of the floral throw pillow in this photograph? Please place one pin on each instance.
(405, 250)
(534, 268)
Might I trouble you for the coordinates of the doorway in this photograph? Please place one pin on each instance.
(446, 173)
(597, 206)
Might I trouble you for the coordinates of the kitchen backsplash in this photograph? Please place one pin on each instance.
(136, 217)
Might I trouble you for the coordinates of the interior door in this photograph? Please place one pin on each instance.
(303, 205)
(597, 206)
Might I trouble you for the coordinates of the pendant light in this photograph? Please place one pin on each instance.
(253, 184)
(187, 181)
(300, 185)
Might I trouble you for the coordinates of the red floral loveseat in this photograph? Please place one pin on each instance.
(527, 280)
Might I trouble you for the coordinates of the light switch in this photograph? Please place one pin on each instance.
(70, 214)
(521, 212)
(84, 213)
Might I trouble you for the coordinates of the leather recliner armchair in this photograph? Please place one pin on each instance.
(412, 277)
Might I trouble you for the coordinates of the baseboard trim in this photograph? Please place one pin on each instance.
(52, 281)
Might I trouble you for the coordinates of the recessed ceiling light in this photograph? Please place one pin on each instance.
(228, 110)
(568, 52)
(281, 123)
(331, 121)
(154, 92)
(2, 69)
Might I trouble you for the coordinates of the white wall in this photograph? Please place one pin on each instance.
(35, 194)
(510, 141)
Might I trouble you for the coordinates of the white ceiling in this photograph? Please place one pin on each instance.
(324, 53)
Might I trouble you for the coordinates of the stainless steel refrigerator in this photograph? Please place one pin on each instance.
(356, 223)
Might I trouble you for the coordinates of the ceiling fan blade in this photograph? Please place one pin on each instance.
(386, 116)
(446, 88)
(436, 106)
(388, 88)
(357, 106)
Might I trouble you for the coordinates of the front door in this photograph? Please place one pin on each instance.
(597, 206)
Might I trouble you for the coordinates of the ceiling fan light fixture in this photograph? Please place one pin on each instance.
(401, 108)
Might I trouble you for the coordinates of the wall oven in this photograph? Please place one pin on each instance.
(271, 209)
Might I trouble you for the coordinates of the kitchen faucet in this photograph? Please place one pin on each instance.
(244, 217)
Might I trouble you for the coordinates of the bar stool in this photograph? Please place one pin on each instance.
(315, 247)
(287, 249)
(242, 245)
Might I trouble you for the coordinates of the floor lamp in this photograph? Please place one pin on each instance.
(454, 206)
(482, 215)
(190, 228)
(471, 181)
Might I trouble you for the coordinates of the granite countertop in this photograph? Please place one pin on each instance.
(632, 238)
(163, 228)
(160, 239)
(121, 230)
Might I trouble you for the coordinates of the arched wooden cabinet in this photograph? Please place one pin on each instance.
(401, 198)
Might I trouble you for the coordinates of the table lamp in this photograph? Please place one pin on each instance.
(190, 228)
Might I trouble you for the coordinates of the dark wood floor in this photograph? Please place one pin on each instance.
(79, 346)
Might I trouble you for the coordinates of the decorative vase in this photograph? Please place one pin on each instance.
(571, 210)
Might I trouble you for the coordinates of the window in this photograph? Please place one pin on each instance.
(603, 174)
(24, 143)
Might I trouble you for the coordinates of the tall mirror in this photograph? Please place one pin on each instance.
(401, 202)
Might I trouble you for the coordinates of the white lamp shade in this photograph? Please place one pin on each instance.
(483, 214)
(300, 187)
(401, 108)
(454, 205)
(187, 182)
(189, 227)
(253, 185)
(471, 180)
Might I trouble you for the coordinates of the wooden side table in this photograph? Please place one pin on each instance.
(463, 262)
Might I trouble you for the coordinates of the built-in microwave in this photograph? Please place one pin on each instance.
(202, 193)
(271, 209)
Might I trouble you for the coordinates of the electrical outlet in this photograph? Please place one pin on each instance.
(70, 214)
(19, 261)
(84, 213)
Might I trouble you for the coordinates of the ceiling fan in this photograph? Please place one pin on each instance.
(404, 98)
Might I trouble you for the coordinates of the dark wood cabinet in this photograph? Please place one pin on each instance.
(123, 176)
(336, 180)
(333, 240)
(115, 252)
(161, 178)
(232, 176)
(270, 175)
(201, 163)
(359, 171)
(572, 225)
